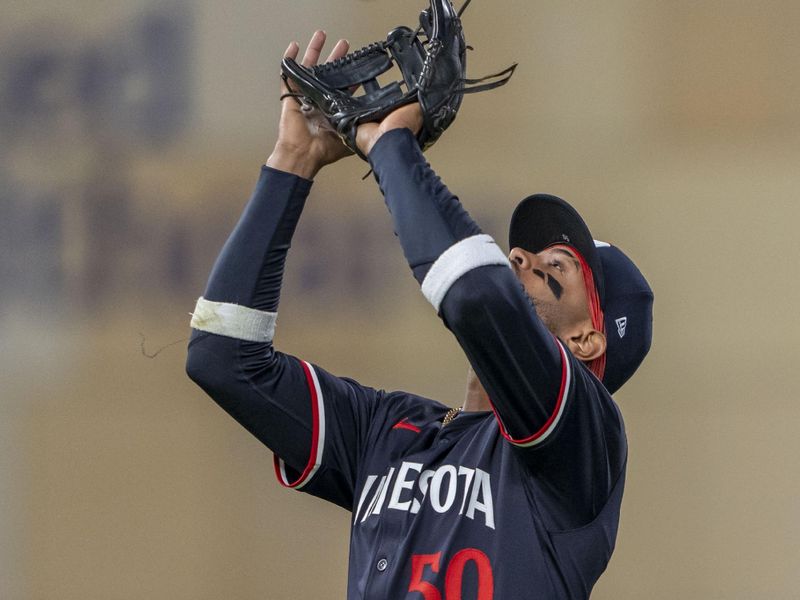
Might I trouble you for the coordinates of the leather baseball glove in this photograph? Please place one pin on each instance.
(432, 60)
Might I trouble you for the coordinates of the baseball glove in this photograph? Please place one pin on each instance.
(433, 71)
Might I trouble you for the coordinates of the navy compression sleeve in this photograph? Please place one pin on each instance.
(516, 358)
(249, 270)
(427, 218)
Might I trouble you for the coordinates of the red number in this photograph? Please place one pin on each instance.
(454, 575)
(427, 589)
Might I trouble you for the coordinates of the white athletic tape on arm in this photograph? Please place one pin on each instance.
(458, 259)
(234, 320)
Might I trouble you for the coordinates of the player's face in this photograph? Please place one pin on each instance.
(553, 280)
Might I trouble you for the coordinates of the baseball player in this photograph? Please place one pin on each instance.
(517, 493)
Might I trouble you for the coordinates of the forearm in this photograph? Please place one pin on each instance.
(249, 269)
(427, 218)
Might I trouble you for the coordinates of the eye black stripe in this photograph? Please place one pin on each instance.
(555, 287)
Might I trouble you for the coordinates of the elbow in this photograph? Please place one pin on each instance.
(195, 365)
(216, 363)
(200, 367)
(209, 362)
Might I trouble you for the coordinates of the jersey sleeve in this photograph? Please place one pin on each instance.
(581, 464)
(312, 421)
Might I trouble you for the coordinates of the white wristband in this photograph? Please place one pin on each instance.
(234, 320)
(458, 259)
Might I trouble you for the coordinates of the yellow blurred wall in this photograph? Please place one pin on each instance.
(673, 126)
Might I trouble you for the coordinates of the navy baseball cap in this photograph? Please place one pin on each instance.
(625, 297)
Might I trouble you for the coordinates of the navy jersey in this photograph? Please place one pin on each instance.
(519, 502)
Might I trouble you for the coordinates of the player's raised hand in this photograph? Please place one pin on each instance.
(306, 141)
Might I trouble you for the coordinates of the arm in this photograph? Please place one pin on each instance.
(468, 280)
(279, 399)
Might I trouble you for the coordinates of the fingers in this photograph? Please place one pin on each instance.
(314, 48)
(313, 51)
(339, 50)
(291, 51)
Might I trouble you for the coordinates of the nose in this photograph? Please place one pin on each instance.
(521, 259)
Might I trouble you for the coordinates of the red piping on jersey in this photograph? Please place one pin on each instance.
(314, 436)
(561, 393)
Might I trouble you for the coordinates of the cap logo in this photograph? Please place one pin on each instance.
(622, 323)
(565, 237)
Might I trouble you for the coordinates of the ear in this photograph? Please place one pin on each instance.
(587, 343)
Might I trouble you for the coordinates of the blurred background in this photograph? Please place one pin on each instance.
(131, 134)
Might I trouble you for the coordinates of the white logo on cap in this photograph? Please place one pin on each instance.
(622, 323)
